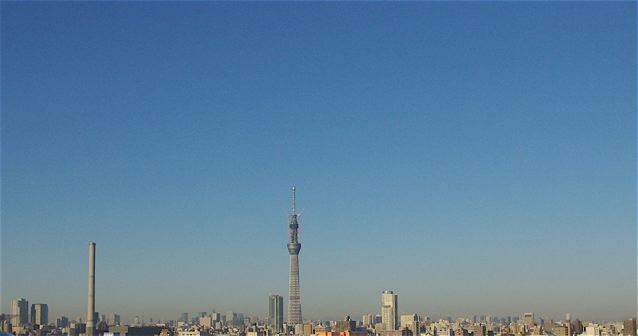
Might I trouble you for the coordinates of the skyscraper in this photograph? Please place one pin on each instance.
(367, 320)
(19, 312)
(114, 319)
(231, 318)
(629, 327)
(411, 322)
(294, 295)
(62, 322)
(568, 323)
(528, 319)
(389, 310)
(276, 312)
(40, 314)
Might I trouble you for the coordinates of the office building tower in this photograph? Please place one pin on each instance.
(39, 314)
(593, 330)
(19, 312)
(568, 323)
(62, 322)
(5, 324)
(206, 322)
(389, 310)
(231, 318)
(461, 332)
(629, 327)
(528, 319)
(276, 313)
(444, 330)
(411, 322)
(294, 294)
(345, 325)
(559, 330)
(547, 324)
(479, 330)
(308, 329)
(367, 321)
(114, 319)
(578, 327)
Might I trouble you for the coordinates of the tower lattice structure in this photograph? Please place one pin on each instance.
(294, 295)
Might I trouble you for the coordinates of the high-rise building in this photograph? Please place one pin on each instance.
(367, 320)
(444, 330)
(206, 322)
(577, 326)
(19, 312)
(546, 323)
(528, 319)
(568, 323)
(276, 313)
(62, 322)
(629, 327)
(461, 332)
(389, 310)
(231, 318)
(411, 322)
(560, 330)
(593, 330)
(5, 324)
(479, 330)
(294, 294)
(345, 325)
(114, 319)
(40, 314)
(308, 329)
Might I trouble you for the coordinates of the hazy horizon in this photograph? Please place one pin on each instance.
(476, 158)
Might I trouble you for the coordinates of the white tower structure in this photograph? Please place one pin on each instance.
(90, 313)
(294, 295)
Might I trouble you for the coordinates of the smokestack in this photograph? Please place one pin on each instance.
(90, 314)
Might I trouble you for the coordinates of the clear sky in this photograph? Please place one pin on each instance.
(473, 157)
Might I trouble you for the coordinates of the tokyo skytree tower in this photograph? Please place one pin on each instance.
(294, 296)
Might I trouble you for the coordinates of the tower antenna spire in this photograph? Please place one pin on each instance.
(294, 199)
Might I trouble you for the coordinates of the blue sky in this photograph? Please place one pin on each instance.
(474, 157)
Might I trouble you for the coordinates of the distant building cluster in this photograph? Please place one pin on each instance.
(33, 320)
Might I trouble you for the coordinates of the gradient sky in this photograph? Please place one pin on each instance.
(477, 158)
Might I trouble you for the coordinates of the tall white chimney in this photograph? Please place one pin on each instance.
(90, 314)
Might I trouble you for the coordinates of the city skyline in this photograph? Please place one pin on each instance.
(388, 312)
(474, 158)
